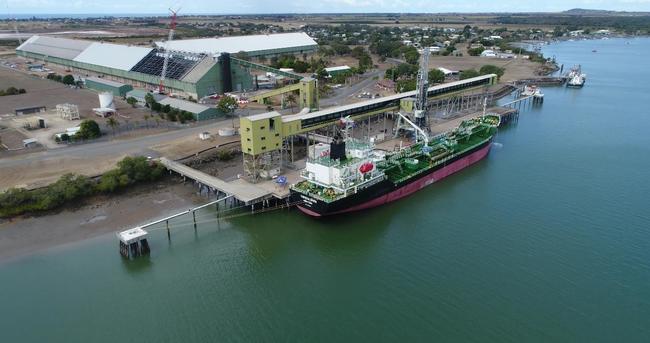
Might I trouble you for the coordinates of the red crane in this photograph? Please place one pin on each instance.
(172, 28)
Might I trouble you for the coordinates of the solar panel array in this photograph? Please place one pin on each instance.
(177, 67)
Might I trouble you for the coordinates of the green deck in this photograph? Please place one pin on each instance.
(416, 159)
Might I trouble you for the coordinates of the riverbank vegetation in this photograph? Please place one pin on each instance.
(72, 188)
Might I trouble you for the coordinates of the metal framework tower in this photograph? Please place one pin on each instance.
(172, 28)
(422, 87)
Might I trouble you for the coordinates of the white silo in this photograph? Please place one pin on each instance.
(106, 101)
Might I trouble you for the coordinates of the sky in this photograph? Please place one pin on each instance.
(306, 6)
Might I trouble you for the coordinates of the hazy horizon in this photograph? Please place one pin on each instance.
(251, 7)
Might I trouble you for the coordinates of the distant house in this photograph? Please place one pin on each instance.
(576, 33)
(488, 53)
(333, 71)
(448, 72)
(495, 37)
(29, 110)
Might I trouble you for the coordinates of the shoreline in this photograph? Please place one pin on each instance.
(100, 215)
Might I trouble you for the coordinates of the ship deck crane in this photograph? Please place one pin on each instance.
(172, 28)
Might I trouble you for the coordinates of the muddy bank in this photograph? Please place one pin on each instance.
(97, 216)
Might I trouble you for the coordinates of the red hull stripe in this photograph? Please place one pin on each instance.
(414, 186)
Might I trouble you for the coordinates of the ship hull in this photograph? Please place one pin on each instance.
(385, 192)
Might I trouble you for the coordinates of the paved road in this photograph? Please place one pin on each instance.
(340, 95)
(134, 146)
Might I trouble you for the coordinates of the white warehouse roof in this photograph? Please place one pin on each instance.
(339, 68)
(184, 105)
(54, 47)
(112, 55)
(236, 44)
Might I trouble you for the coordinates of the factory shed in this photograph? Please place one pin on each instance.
(333, 71)
(103, 85)
(139, 95)
(200, 112)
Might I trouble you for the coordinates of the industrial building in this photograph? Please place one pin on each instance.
(199, 111)
(254, 45)
(101, 85)
(196, 68)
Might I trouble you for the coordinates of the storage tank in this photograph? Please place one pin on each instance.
(106, 100)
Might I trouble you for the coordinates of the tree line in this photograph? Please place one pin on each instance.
(66, 80)
(168, 112)
(72, 187)
(12, 91)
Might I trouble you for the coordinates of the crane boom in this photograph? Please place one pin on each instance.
(172, 28)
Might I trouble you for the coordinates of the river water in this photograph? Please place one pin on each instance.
(548, 239)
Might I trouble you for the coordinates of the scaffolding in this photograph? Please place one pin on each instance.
(68, 111)
(263, 166)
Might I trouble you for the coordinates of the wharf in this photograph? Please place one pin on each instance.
(543, 81)
(242, 191)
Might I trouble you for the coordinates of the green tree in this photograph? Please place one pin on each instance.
(491, 69)
(166, 108)
(291, 99)
(321, 73)
(146, 118)
(475, 51)
(88, 129)
(227, 105)
(149, 99)
(113, 123)
(112, 180)
(131, 101)
(436, 76)
(411, 55)
(172, 115)
(406, 85)
(466, 74)
(300, 66)
(68, 80)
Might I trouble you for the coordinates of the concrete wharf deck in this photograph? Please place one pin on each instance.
(242, 191)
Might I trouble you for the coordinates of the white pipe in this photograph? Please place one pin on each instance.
(417, 128)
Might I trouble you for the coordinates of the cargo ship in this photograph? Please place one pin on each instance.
(352, 175)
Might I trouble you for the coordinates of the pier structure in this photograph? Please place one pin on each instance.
(133, 243)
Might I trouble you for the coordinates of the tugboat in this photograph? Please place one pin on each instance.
(575, 78)
(533, 91)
